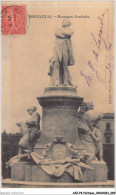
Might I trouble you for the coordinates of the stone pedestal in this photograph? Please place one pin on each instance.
(100, 171)
(19, 171)
(59, 114)
(60, 130)
(23, 171)
(8, 183)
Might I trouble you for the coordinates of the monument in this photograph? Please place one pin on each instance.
(64, 150)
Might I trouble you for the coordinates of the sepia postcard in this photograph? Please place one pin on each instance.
(57, 96)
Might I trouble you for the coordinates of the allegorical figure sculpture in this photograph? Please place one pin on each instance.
(89, 134)
(97, 136)
(62, 56)
(30, 130)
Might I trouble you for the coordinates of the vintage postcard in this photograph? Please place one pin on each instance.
(57, 92)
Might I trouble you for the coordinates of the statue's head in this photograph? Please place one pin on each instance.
(31, 109)
(85, 107)
(66, 23)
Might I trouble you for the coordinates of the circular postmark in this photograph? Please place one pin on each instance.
(13, 19)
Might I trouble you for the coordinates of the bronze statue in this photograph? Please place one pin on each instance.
(62, 57)
(30, 130)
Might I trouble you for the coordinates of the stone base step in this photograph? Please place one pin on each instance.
(8, 183)
(24, 171)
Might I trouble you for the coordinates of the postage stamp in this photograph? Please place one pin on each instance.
(13, 19)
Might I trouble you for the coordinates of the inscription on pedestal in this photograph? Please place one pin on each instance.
(59, 151)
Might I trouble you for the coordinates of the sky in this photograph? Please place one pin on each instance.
(25, 58)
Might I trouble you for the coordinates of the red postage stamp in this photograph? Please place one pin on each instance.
(13, 19)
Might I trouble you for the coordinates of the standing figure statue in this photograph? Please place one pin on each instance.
(62, 56)
(89, 134)
(97, 136)
(30, 130)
